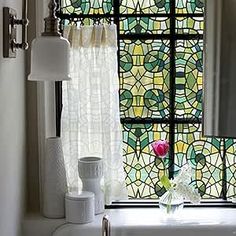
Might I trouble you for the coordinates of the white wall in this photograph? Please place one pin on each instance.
(12, 135)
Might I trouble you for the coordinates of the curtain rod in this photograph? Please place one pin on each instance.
(62, 15)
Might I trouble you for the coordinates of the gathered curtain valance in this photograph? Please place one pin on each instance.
(90, 117)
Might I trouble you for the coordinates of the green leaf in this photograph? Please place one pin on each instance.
(166, 182)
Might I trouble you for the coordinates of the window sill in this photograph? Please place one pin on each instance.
(143, 221)
(153, 203)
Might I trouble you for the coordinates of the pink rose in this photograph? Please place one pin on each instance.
(160, 148)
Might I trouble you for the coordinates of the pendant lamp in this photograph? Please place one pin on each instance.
(50, 52)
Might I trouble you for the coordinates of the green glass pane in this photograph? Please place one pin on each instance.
(230, 158)
(144, 6)
(189, 25)
(145, 25)
(87, 6)
(204, 155)
(189, 78)
(143, 170)
(189, 6)
(144, 78)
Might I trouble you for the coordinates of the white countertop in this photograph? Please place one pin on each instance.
(188, 217)
(151, 221)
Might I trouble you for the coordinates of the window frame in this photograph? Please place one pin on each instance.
(172, 121)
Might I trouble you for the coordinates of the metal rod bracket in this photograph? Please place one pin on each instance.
(10, 22)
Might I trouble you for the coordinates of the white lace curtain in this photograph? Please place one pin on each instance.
(90, 116)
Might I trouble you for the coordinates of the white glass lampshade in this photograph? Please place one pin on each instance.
(49, 59)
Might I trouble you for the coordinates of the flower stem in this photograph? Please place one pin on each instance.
(168, 209)
(165, 169)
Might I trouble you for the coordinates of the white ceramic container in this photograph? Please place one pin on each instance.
(79, 207)
(91, 172)
(54, 179)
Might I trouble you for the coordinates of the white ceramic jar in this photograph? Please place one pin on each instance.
(79, 207)
(91, 172)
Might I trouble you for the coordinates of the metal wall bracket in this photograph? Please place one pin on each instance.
(10, 23)
(9, 32)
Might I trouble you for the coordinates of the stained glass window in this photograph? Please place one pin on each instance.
(142, 169)
(144, 6)
(189, 6)
(205, 155)
(145, 25)
(87, 6)
(161, 78)
(188, 78)
(144, 78)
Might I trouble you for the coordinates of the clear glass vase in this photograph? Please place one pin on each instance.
(171, 202)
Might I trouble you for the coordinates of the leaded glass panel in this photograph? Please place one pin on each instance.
(204, 155)
(144, 78)
(189, 25)
(189, 80)
(189, 6)
(144, 6)
(230, 159)
(87, 6)
(143, 170)
(145, 25)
